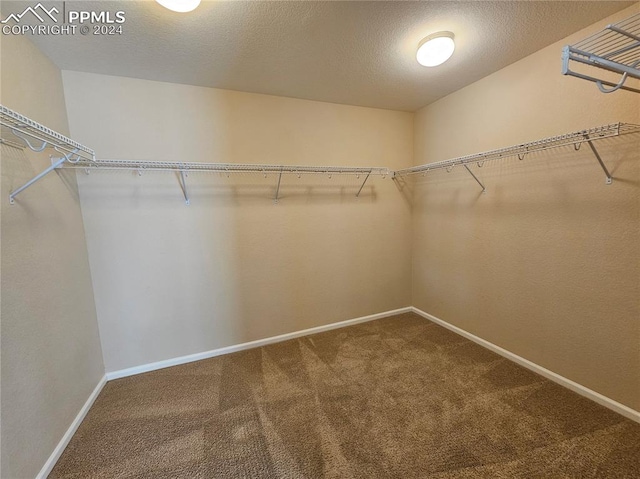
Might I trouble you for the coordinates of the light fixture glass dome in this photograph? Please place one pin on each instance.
(181, 6)
(435, 49)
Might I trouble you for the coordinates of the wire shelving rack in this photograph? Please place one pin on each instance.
(76, 156)
(616, 49)
(16, 127)
(18, 131)
(520, 151)
(184, 168)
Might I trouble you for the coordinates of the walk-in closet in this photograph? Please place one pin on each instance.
(319, 239)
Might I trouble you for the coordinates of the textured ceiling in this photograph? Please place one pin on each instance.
(358, 53)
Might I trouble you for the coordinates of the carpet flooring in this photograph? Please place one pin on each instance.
(398, 397)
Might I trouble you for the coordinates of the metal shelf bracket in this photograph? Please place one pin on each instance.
(609, 179)
(484, 190)
(277, 198)
(363, 183)
(55, 163)
(183, 185)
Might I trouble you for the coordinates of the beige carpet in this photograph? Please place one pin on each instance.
(394, 398)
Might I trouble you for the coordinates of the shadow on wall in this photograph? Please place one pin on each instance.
(119, 188)
(406, 187)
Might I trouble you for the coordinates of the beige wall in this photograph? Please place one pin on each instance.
(51, 357)
(546, 263)
(172, 279)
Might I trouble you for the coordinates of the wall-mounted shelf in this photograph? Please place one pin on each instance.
(616, 49)
(18, 131)
(576, 139)
(229, 168)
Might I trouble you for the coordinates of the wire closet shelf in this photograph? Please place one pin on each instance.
(616, 49)
(520, 151)
(184, 169)
(75, 155)
(18, 131)
(141, 166)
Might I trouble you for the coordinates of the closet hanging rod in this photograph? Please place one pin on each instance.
(521, 150)
(616, 49)
(192, 167)
(18, 128)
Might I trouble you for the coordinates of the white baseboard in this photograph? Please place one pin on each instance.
(57, 452)
(568, 383)
(122, 373)
(578, 388)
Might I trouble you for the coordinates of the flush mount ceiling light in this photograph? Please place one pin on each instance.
(435, 49)
(181, 6)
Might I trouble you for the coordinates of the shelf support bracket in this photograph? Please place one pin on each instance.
(609, 179)
(363, 183)
(55, 163)
(183, 185)
(475, 178)
(277, 198)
